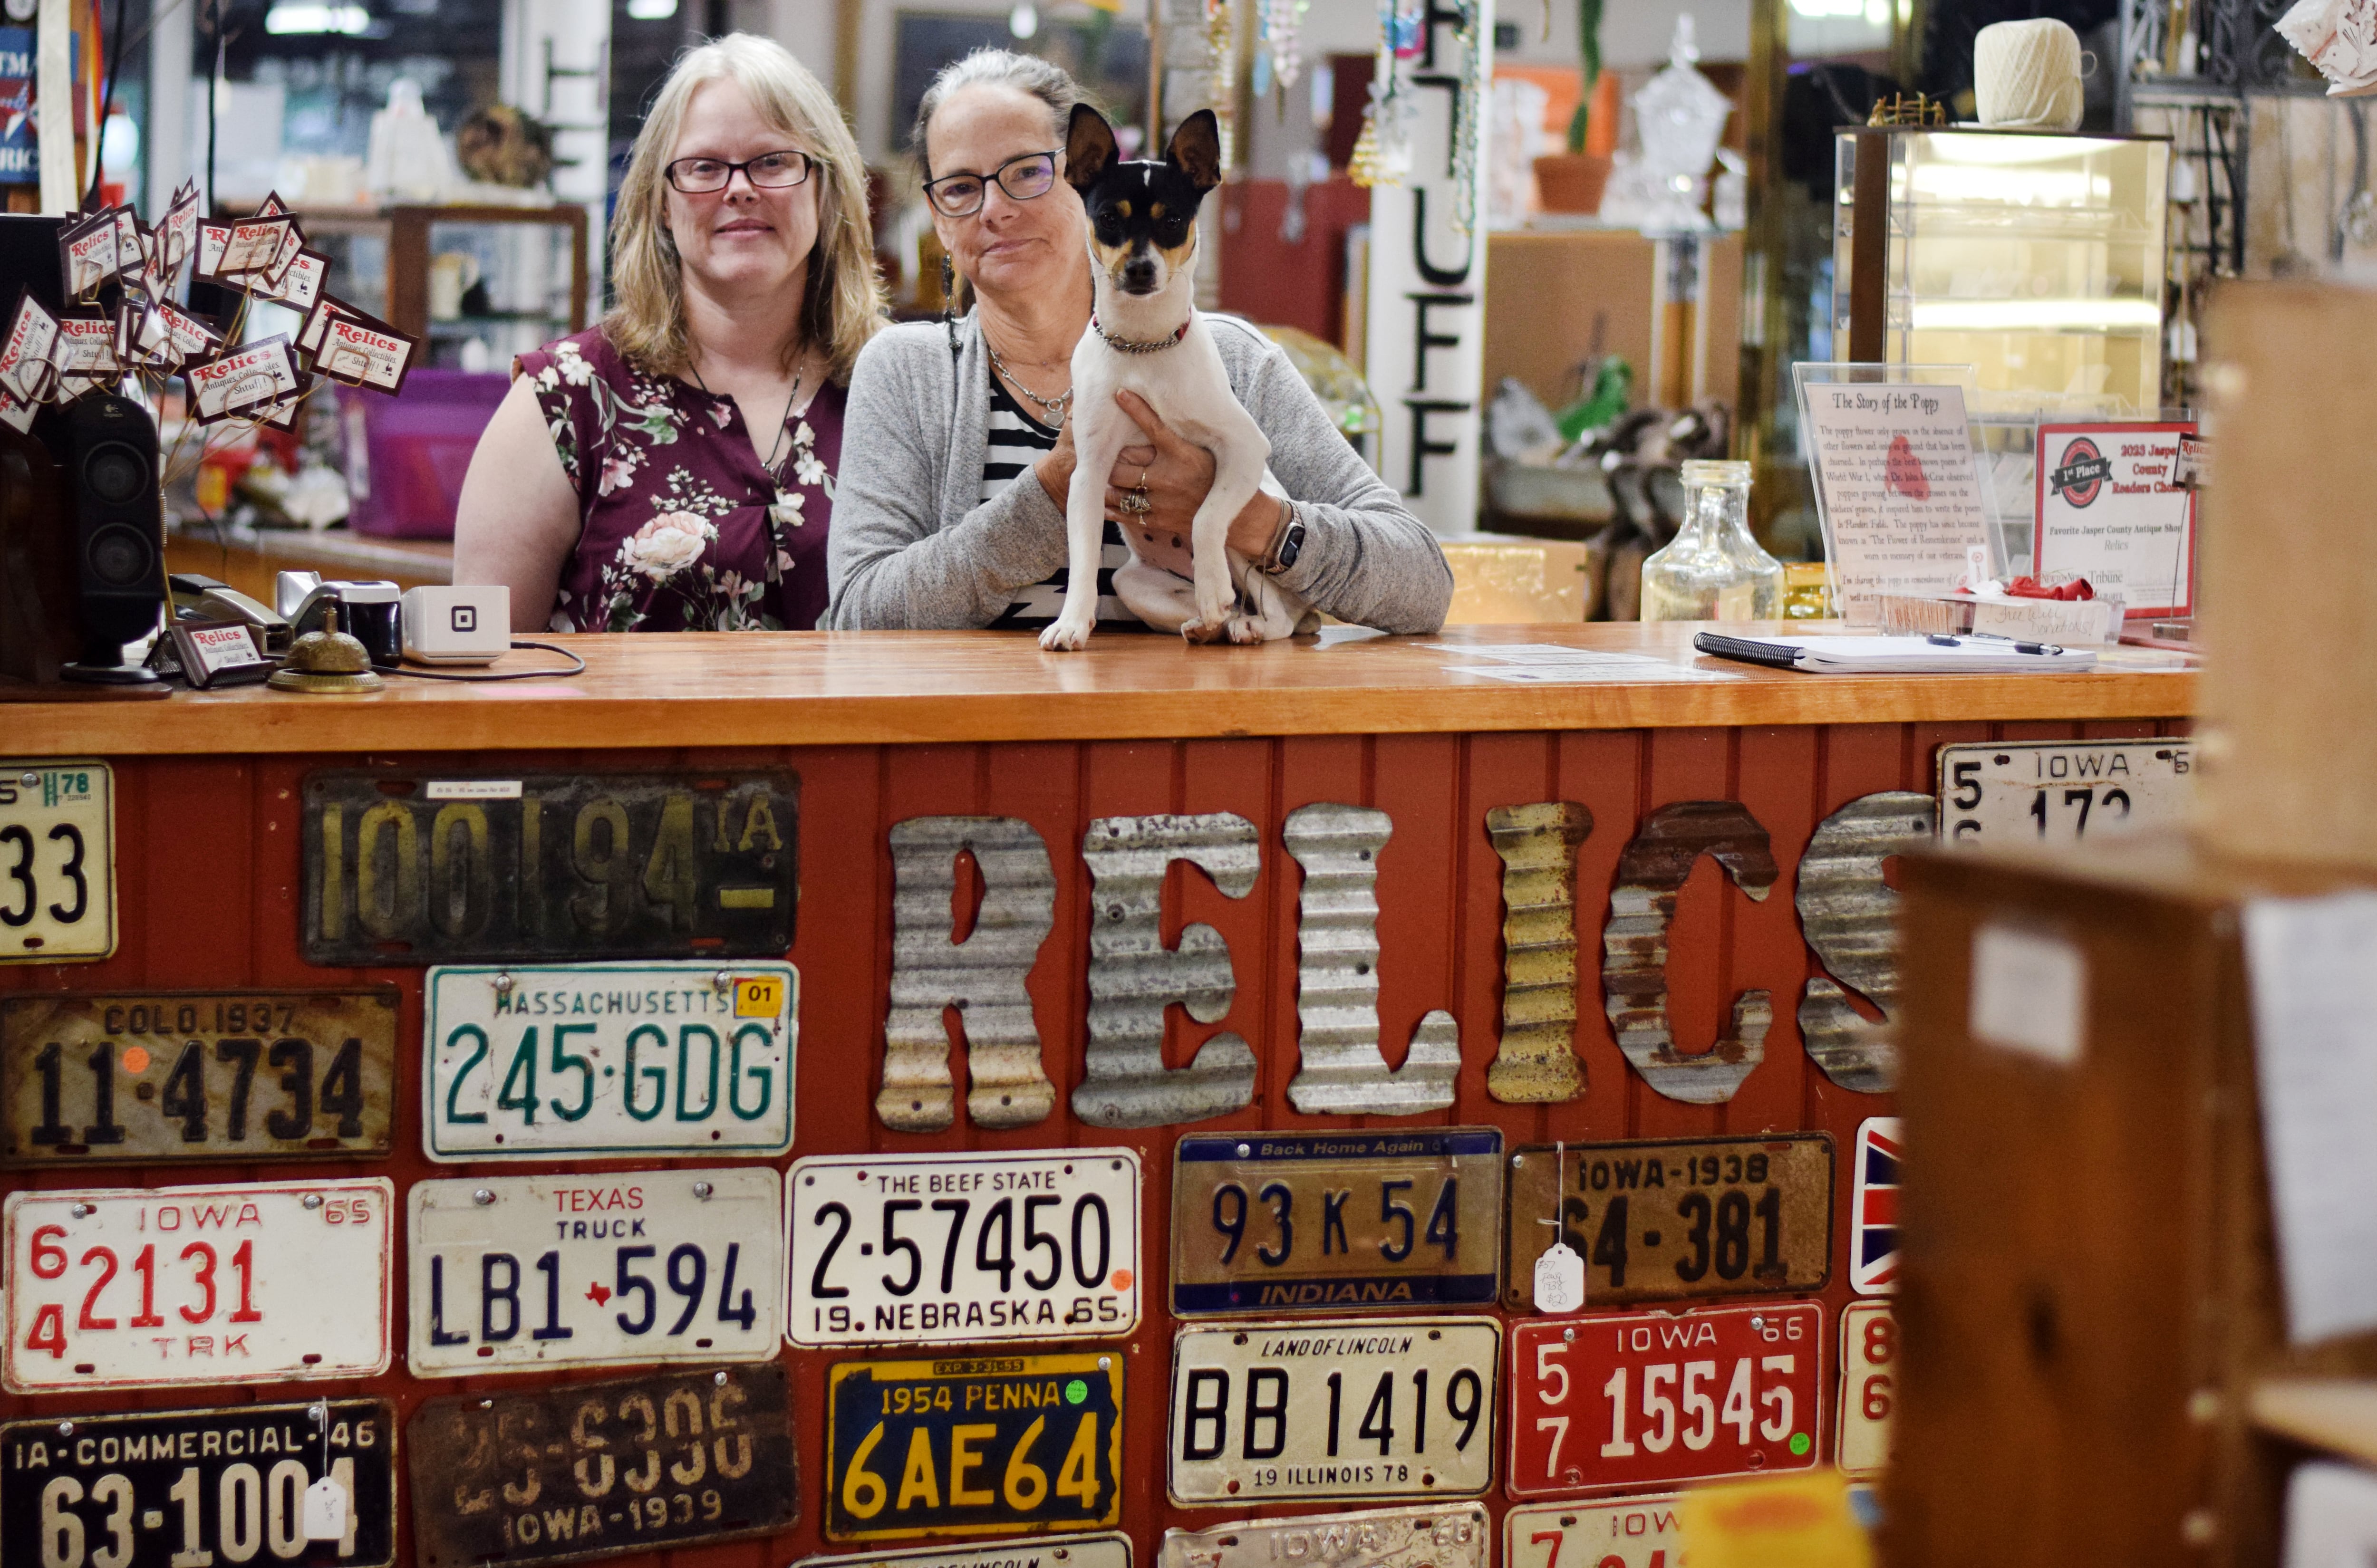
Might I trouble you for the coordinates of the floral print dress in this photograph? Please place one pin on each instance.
(680, 527)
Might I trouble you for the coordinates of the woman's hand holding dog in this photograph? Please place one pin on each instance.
(1176, 475)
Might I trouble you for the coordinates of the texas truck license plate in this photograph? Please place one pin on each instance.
(57, 860)
(595, 1269)
(1637, 1532)
(179, 1489)
(593, 1060)
(178, 1076)
(1645, 1400)
(159, 1288)
(1264, 1412)
(949, 1249)
(1431, 1537)
(1661, 1218)
(2062, 792)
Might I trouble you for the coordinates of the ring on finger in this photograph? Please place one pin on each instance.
(1136, 503)
(1141, 485)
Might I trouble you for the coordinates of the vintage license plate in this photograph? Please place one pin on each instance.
(541, 1062)
(1456, 1537)
(181, 1075)
(961, 1248)
(1868, 1369)
(595, 1269)
(166, 1489)
(1659, 1218)
(973, 1445)
(1638, 1532)
(2062, 792)
(426, 868)
(1644, 1400)
(1310, 1222)
(1265, 1412)
(1101, 1551)
(57, 860)
(594, 1469)
(159, 1288)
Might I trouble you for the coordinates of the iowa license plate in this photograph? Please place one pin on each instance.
(595, 1269)
(1312, 1222)
(1869, 1377)
(1644, 1400)
(1458, 1537)
(1267, 1412)
(2062, 792)
(1103, 1550)
(57, 860)
(514, 1476)
(425, 868)
(158, 1288)
(951, 1249)
(1661, 1218)
(547, 1061)
(181, 1075)
(1639, 1532)
(181, 1489)
(973, 1445)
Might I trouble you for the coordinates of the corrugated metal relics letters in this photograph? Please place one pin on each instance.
(1342, 1069)
(1651, 872)
(981, 976)
(1847, 912)
(1133, 976)
(1535, 1063)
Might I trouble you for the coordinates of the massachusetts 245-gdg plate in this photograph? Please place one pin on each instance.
(1431, 1537)
(158, 1288)
(178, 1076)
(595, 1269)
(57, 860)
(973, 1445)
(1660, 1219)
(1269, 1412)
(425, 868)
(2062, 792)
(961, 1248)
(538, 1062)
(514, 1476)
(1310, 1222)
(166, 1489)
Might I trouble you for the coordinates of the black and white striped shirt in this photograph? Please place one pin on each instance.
(1016, 441)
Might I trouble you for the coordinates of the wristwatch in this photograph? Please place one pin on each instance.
(1286, 544)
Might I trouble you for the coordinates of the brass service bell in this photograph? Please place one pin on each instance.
(327, 662)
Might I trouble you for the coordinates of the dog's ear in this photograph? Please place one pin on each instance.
(1088, 148)
(1195, 150)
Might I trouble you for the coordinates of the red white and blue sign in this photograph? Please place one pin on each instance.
(1874, 1208)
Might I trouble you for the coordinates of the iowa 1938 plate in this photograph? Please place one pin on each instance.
(1104, 1550)
(1459, 1536)
(57, 860)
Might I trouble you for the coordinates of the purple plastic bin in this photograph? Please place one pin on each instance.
(414, 449)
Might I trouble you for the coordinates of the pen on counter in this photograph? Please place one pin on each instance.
(1943, 640)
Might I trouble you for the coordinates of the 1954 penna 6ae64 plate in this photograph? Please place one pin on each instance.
(57, 860)
(181, 1489)
(182, 1075)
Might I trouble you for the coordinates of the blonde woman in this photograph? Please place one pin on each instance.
(672, 470)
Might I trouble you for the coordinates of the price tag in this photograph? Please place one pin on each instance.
(1560, 1279)
(326, 1510)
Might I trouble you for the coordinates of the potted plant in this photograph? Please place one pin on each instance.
(1572, 181)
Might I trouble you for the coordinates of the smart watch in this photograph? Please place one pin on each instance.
(1287, 544)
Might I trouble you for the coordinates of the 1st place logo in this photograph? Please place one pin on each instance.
(2082, 474)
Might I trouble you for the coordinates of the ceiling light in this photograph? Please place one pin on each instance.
(1024, 20)
(303, 17)
(652, 10)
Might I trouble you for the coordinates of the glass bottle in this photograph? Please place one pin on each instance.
(1713, 570)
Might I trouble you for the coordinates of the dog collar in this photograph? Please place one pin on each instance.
(1132, 345)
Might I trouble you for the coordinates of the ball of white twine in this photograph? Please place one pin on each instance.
(2026, 75)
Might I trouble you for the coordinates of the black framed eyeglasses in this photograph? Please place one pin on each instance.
(1022, 177)
(768, 171)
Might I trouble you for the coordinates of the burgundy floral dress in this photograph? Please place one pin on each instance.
(680, 527)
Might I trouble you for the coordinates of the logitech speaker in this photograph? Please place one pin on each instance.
(111, 481)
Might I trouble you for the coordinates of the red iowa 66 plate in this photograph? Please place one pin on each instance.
(1643, 1400)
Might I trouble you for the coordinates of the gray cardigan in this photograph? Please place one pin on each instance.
(913, 549)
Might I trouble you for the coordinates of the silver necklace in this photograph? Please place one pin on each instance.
(786, 509)
(1054, 407)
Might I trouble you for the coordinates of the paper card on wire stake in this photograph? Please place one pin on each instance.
(186, 336)
(299, 283)
(15, 412)
(210, 239)
(291, 247)
(25, 355)
(253, 246)
(85, 354)
(283, 415)
(87, 255)
(178, 234)
(238, 383)
(366, 353)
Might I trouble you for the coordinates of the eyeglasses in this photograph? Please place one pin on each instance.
(768, 171)
(1022, 177)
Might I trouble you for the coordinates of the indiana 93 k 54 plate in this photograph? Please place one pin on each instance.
(131, 1288)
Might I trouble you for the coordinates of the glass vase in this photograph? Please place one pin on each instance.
(1714, 569)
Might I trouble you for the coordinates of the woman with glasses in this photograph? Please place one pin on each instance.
(673, 469)
(952, 513)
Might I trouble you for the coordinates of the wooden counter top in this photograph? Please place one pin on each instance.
(822, 688)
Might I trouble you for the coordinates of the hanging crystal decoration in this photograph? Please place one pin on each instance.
(1222, 74)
